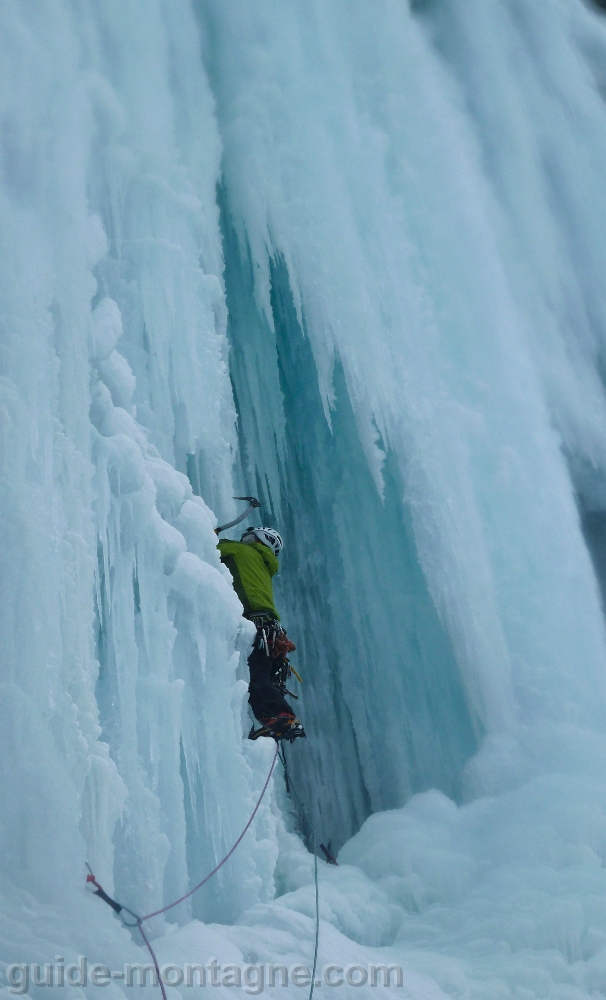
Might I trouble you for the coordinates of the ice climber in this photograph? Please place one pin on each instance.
(252, 562)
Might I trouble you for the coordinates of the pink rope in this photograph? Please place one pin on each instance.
(227, 856)
(154, 959)
(139, 924)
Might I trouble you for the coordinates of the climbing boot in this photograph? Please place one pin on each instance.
(255, 733)
(282, 727)
(292, 731)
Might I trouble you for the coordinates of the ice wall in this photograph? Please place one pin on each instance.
(346, 256)
(413, 243)
(413, 199)
(121, 705)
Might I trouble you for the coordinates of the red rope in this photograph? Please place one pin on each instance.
(154, 959)
(148, 916)
(228, 855)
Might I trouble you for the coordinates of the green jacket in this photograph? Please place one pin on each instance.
(252, 567)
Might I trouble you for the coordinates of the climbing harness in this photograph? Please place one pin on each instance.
(119, 907)
(253, 504)
(272, 638)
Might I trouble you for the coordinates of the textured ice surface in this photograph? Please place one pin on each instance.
(348, 257)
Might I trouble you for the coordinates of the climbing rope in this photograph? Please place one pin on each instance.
(313, 972)
(291, 788)
(119, 907)
(229, 853)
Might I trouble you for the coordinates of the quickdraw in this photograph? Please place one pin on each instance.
(120, 907)
(273, 639)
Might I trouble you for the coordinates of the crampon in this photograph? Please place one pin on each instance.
(283, 727)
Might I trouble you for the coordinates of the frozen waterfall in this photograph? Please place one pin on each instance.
(348, 257)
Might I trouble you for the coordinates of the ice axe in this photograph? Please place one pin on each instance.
(253, 503)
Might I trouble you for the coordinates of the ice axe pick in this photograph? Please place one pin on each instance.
(253, 503)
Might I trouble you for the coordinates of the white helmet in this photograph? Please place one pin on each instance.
(267, 536)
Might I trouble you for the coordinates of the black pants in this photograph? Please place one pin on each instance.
(264, 697)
